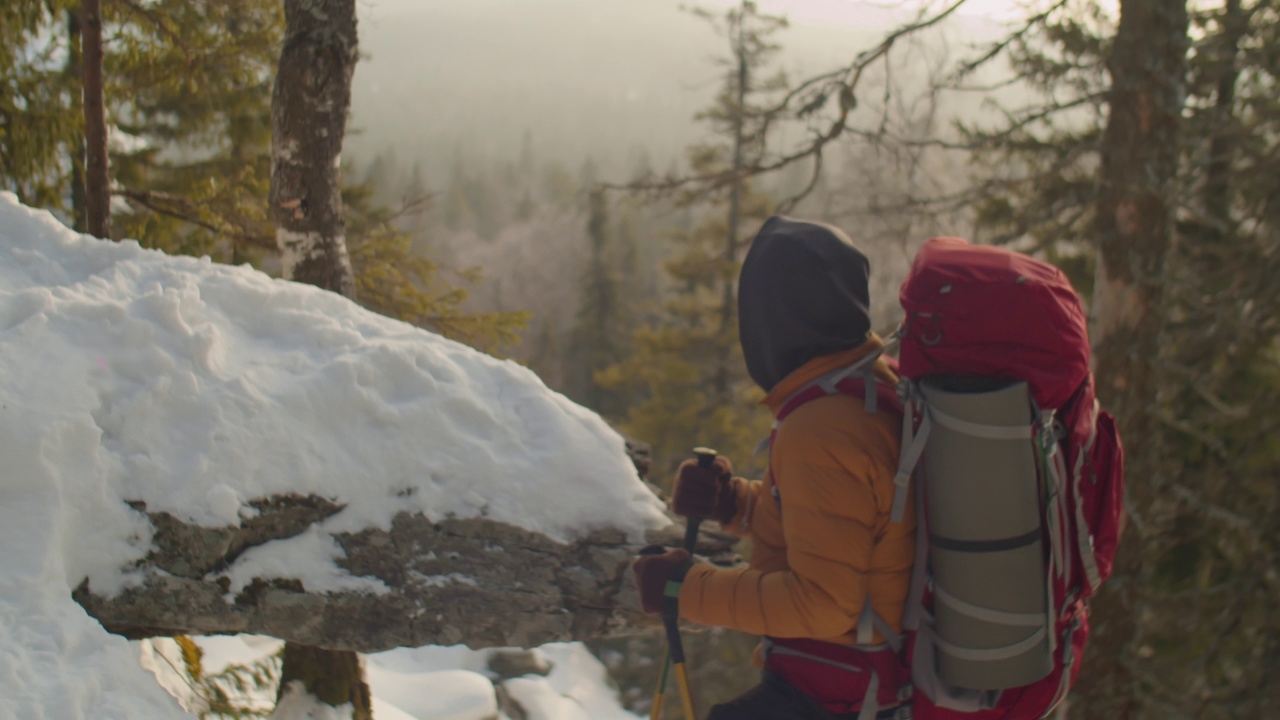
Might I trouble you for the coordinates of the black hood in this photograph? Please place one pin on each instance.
(802, 293)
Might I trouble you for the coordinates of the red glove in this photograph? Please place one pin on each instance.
(705, 492)
(654, 569)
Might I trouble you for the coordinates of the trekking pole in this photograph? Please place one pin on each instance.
(671, 620)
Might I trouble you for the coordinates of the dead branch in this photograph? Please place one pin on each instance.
(999, 47)
(842, 83)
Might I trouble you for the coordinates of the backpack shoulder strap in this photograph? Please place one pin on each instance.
(849, 380)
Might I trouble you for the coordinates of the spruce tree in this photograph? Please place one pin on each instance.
(41, 121)
(687, 368)
(597, 340)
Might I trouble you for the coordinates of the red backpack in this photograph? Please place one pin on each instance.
(1019, 482)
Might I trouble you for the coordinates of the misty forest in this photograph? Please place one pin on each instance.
(572, 185)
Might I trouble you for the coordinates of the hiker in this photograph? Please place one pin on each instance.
(1017, 474)
(829, 573)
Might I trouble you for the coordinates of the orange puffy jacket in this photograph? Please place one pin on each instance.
(831, 547)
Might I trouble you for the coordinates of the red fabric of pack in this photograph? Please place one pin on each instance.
(975, 310)
(980, 310)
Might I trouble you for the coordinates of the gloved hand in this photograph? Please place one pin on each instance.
(705, 492)
(653, 569)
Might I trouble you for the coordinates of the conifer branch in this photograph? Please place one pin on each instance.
(186, 210)
(157, 20)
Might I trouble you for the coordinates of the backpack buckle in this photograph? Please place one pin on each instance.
(931, 334)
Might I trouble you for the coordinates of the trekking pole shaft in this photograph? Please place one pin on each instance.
(661, 690)
(675, 646)
(674, 653)
(691, 534)
(686, 696)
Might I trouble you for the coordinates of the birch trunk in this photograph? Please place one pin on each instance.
(309, 105)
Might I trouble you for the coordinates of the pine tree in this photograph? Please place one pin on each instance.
(688, 368)
(1036, 183)
(41, 121)
(597, 339)
(187, 92)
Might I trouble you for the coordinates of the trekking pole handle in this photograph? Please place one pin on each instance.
(706, 456)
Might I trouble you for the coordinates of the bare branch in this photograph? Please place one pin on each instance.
(184, 209)
(999, 47)
(829, 83)
(790, 203)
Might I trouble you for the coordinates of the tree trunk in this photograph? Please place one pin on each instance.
(733, 221)
(1135, 232)
(97, 184)
(74, 70)
(334, 677)
(1222, 146)
(309, 104)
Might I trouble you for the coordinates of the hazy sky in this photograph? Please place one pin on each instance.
(821, 12)
(847, 12)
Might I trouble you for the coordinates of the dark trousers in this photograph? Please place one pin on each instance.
(773, 699)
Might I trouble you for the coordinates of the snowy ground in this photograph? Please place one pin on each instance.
(430, 683)
(127, 374)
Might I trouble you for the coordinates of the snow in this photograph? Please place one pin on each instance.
(439, 694)
(126, 374)
(297, 704)
(576, 689)
(434, 683)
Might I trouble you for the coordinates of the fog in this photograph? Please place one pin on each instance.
(605, 79)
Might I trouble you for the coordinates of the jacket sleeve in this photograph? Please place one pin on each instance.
(829, 518)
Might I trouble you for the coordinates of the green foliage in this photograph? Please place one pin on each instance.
(1037, 167)
(189, 95)
(598, 338)
(39, 101)
(190, 88)
(679, 410)
(470, 202)
(189, 92)
(686, 374)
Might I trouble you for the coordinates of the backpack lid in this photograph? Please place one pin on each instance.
(988, 311)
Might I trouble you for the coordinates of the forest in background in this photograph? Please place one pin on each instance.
(508, 152)
(618, 296)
